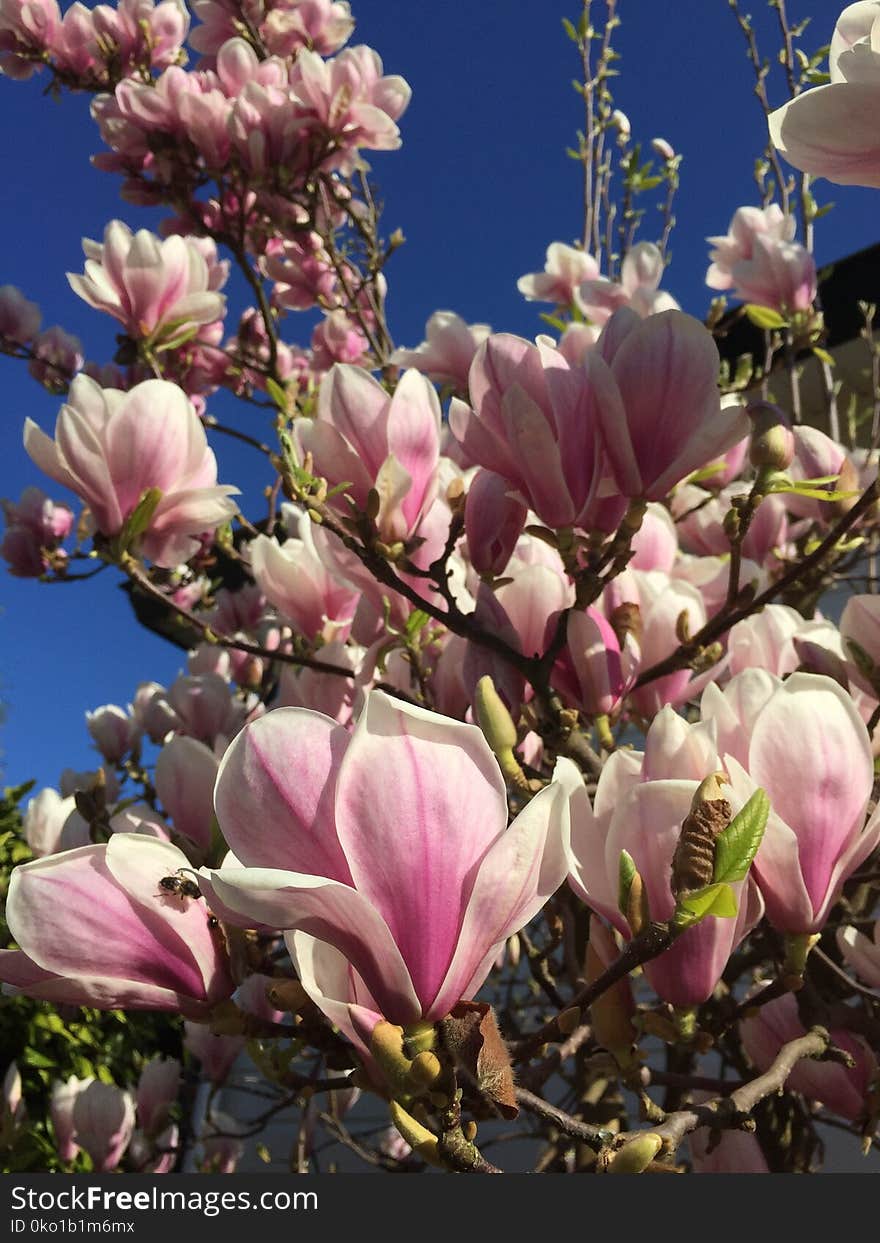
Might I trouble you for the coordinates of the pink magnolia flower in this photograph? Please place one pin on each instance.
(661, 601)
(303, 273)
(640, 803)
(44, 820)
(338, 339)
(217, 1054)
(369, 440)
(815, 456)
(736, 1152)
(113, 731)
(701, 523)
(860, 630)
(95, 928)
(293, 577)
(842, 1089)
(449, 348)
(768, 640)
(831, 131)
(760, 261)
(566, 269)
(523, 611)
(160, 291)
(57, 356)
(809, 749)
(593, 672)
(111, 447)
(359, 841)
(576, 340)
(655, 383)
(655, 544)
(103, 1120)
(204, 707)
(350, 98)
(533, 423)
(638, 289)
(27, 32)
(157, 1090)
(493, 522)
(322, 25)
(19, 318)
(328, 694)
(861, 953)
(185, 774)
(61, 1105)
(35, 527)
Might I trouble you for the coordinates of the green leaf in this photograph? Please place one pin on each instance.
(717, 899)
(823, 355)
(764, 316)
(416, 621)
(277, 393)
(626, 874)
(139, 519)
(569, 29)
(737, 845)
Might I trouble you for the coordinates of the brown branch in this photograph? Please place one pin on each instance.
(136, 573)
(595, 1137)
(721, 623)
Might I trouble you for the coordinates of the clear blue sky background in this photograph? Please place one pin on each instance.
(480, 187)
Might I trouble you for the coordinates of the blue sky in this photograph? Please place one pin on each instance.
(480, 187)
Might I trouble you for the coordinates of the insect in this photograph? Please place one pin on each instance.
(179, 886)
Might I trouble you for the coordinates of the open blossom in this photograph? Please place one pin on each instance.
(297, 581)
(446, 354)
(655, 383)
(158, 290)
(27, 31)
(638, 287)
(285, 27)
(390, 844)
(761, 263)
(369, 440)
(350, 97)
(35, 527)
(831, 131)
(565, 271)
(770, 640)
(111, 447)
(842, 1089)
(533, 423)
(640, 803)
(661, 600)
(94, 928)
(808, 748)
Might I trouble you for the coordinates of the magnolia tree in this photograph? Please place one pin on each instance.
(516, 773)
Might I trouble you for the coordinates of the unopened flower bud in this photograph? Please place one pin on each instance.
(287, 995)
(636, 1155)
(662, 148)
(419, 1138)
(772, 441)
(620, 121)
(494, 719)
(693, 863)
